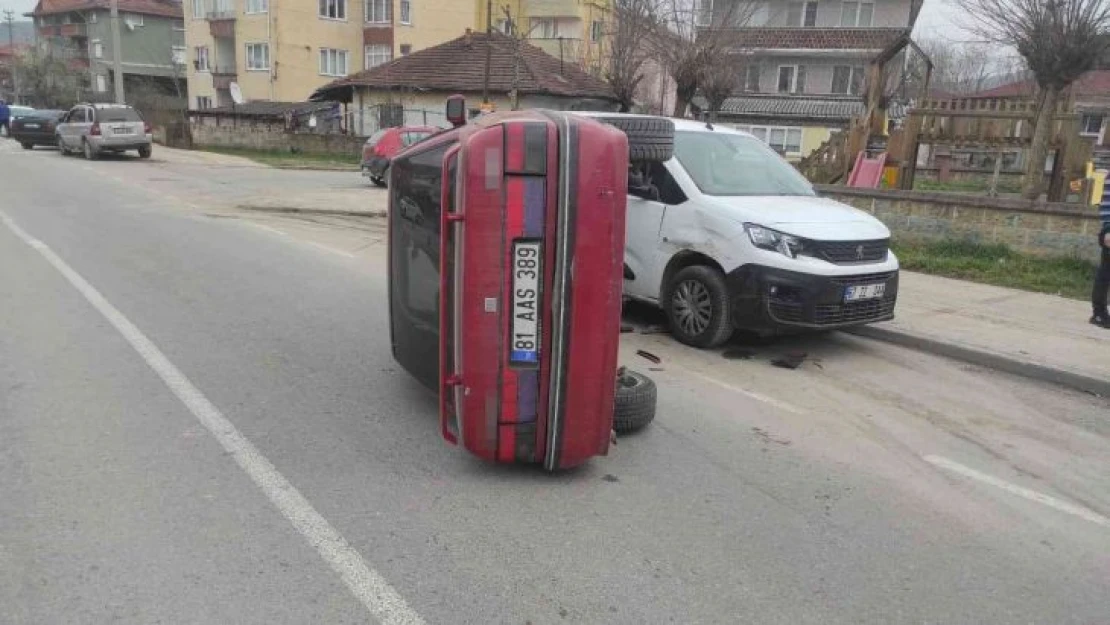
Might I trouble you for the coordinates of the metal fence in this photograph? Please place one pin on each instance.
(367, 120)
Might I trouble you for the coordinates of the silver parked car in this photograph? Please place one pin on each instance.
(92, 129)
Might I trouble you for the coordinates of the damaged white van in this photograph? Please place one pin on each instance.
(727, 235)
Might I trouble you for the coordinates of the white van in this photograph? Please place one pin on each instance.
(727, 235)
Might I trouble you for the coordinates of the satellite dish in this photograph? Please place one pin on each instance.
(236, 93)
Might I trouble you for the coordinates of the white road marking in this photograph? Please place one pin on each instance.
(1020, 491)
(330, 249)
(274, 230)
(364, 582)
(752, 394)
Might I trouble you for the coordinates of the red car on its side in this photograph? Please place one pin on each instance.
(379, 149)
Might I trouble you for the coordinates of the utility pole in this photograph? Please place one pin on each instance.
(117, 62)
(9, 17)
(489, 50)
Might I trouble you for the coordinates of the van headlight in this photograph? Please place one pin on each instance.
(767, 239)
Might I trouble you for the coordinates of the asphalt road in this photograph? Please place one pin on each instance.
(200, 422)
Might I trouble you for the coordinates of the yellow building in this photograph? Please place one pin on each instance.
(572, 30)
(283, 50)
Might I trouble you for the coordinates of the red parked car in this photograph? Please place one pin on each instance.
(379, 149)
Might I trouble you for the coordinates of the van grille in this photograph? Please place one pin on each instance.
(850, 252)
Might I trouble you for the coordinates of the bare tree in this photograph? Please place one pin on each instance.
(1059, 40)
(719, 82)
(631, 25)
(693, 41)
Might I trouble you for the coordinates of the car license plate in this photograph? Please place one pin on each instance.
(121, 130)
(30, 125)
(864, 291)
(525, 339)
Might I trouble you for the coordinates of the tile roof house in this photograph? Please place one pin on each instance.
(420, 82)
(1092, 101)
(803, 64)
(152, 40)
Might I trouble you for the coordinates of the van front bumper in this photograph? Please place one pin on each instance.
(768, 299)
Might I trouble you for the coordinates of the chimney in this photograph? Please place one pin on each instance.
(467, 38)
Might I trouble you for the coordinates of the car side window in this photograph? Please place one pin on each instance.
(655, 176)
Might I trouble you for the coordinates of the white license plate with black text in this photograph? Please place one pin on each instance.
(30, 125)
(121, 130)
(524, 343)
(864, 292)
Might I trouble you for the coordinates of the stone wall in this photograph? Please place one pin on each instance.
(1037, 228)
(273, 137)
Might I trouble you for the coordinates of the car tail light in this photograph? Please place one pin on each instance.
(146, 128)
(95, 130)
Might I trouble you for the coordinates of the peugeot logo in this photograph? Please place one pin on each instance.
(859, 252)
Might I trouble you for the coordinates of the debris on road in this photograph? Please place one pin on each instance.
(767, 438)
(792, 360)
(648, 356)
(656, 329)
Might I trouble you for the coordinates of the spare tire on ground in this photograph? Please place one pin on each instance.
(649, 138)
(634, 406)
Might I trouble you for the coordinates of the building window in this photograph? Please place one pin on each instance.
(200, 58)
(703, 12)
(801, 14)
(101, 83)
(133, 19)
(750, 77)
(97, 49)
(258, 6)
(178, 55)
(544, 28)
(597, 31)
(377, 11)
(333, 9)
(406, 11)
(380, 53)
(504, 26)
(406, 48)
(785, 140)
(258, 56)
(792, 79)
(856, 13)
(1091, 124)
(333, 62)
(847, 80)
(204, 102)
(92, 17)
(198, 9)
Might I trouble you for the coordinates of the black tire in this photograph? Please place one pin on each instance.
(145, 151)
(649, 138)
(27, 146)
(634, 406)
(697, 305)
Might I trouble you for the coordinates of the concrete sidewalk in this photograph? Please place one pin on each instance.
(1045, 337)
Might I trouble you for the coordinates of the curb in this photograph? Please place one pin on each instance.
(313, 211)
(990, 360)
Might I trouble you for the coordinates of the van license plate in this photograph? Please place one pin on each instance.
(525, 340)
(864, 291)
(30, 126)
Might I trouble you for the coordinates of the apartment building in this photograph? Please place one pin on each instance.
(283, 50)
(152, 41)
(803, 64)
(575, 31)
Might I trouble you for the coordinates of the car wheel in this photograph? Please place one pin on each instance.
(90, 153)
(696, 303)
(634, 406)
(145, 151)
(649, 138)
(27, 146)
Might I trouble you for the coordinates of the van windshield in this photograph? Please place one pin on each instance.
(730, 164)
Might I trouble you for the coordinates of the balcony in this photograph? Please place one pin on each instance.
(566, 48)
(222, 77)
(221, 24)
(551, 8)
(64, 30)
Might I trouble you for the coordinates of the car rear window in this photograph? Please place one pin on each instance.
(118, 115)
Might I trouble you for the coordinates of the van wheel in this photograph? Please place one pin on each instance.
(696, 303)
(635, 401)
(649, 138)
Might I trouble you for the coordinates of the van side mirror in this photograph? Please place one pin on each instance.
(456, 110)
